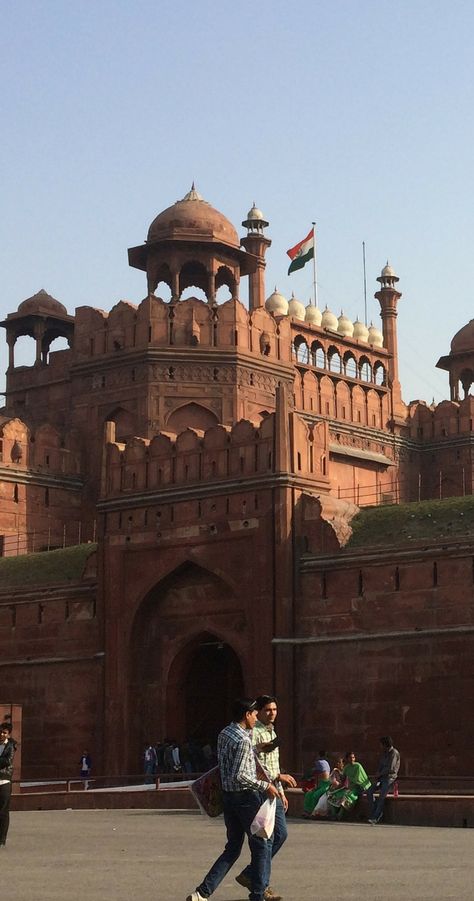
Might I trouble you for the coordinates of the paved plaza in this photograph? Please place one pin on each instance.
(149, 855)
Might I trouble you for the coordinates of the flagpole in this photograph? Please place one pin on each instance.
(365, 282)
(315, 281)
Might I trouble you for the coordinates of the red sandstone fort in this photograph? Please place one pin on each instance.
(246, 486)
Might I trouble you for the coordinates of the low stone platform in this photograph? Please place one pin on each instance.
(407, 810)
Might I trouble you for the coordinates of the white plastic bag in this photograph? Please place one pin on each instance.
(321, 808)
(263, 822)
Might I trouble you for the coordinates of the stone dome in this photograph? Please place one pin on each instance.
(329, 320)
(313, 315)
(296, 309)
(375, 336)
(277, 304)
(255, 213)
(191, 218)
(464, 339)
(345, 326)
(42, 303)
(361, 331)
(388, 272)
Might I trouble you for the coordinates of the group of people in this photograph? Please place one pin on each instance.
(338, 789)
(249, 764)
(170, 757)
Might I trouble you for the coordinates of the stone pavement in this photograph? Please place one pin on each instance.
(150, 855)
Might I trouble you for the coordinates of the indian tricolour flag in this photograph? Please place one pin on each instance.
(301, 253)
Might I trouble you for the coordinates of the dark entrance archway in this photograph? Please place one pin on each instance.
(204, 680)
(185, 671)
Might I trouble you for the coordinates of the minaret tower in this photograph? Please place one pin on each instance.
(257, 244)
(388, 298)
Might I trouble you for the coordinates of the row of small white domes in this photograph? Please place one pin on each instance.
(279, 306)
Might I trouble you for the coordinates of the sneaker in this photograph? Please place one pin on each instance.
(269, 894)
(372, 822)
(195, 896)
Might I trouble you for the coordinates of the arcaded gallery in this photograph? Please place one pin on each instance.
(220, 490)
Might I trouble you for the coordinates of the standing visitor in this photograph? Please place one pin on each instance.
(86, 766)
(7, 752)
(243, 794)
(387, 772)
(150, 761)
(265, 742)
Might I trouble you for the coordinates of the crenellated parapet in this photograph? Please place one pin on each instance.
(222, 453)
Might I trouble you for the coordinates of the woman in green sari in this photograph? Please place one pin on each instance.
(312, 797)
(357, 782)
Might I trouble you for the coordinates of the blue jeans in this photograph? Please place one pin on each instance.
(279, 836)
(239, 811)
(383, 785)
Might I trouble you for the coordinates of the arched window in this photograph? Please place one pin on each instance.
(365, 371)
(193, 276)
(350, 366)
(379, 374)
(334, 360)
(301, 350)
(317, 355)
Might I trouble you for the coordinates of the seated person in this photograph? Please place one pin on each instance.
(336, 780)
(312, 797)
(356, 783)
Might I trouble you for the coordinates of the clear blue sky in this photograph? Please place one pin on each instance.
(356, 114)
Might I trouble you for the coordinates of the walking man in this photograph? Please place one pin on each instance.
(7, 751)
(265, 741)
(243, 794)
(387, 772)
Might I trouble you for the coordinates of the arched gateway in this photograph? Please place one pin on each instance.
(185, 666)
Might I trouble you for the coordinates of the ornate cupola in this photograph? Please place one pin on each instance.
(42, 318)
(191, 243)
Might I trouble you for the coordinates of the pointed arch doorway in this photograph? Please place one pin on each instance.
(185, 669)
(204, 680)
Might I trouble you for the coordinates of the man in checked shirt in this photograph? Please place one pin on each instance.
(265, 742)
(243, 794)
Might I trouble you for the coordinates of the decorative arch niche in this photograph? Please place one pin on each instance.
(191, 416)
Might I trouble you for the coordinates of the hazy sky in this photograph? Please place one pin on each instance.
(358, 115)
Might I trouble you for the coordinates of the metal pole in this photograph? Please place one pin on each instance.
(365, 282)
(315, 280)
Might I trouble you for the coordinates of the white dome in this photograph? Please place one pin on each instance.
(277, 304)
(296, 309)
(375, 336)
(388, 272)
(345, 326)
(255, 213)
(361, 331)
(313, 315)
(329, 320)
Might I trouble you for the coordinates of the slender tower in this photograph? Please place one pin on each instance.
(388, 298)
(257, 244)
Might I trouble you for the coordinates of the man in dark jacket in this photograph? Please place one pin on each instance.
(387, 772)
(7, 751)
